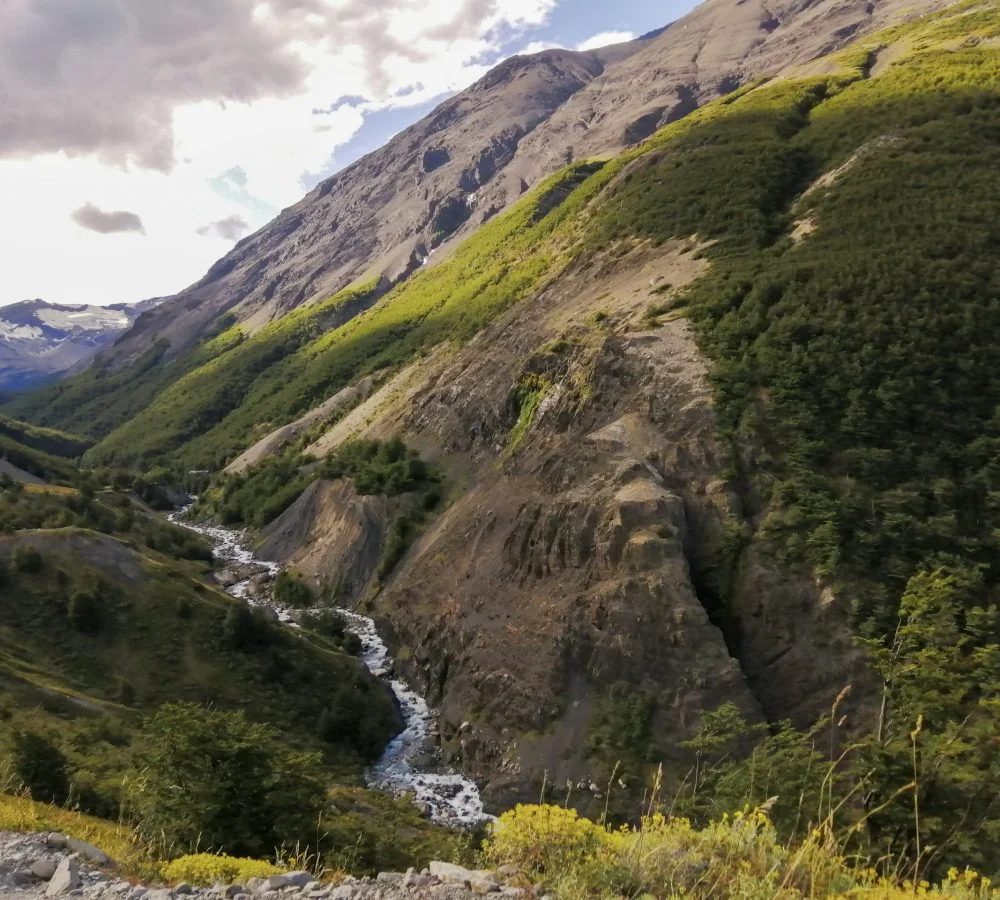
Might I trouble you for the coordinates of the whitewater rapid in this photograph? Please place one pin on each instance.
(410, 764)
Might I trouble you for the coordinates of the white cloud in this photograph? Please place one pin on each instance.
(605, 38)
(199, 90)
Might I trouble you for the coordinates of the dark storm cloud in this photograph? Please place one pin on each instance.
(94, 219)
(104, 76)
(231, 228)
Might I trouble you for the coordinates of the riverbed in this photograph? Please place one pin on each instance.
(411, 763)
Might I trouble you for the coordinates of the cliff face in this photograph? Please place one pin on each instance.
(588, 558)
(478, 152)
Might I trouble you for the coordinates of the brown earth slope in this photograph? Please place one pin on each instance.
(585, 548)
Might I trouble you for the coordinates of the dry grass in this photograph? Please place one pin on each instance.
(134, 858)
(738, 856)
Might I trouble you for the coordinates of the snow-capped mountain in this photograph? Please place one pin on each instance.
(41, 341)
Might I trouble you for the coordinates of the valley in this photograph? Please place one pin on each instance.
(641, 542)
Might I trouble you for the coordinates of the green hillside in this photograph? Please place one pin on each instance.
(107, 613)
(42, 452)
(850, 312)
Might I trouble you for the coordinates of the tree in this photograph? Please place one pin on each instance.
(217, 781)
(41, 767)
(84, 611)
(931, 764)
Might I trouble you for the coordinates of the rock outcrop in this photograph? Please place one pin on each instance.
(589, 556)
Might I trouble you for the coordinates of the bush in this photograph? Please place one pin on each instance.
(738, 856)
(85, 612)
(214, 779)
(376, 467)
(41, 767)
(28, 560)
(208, 868)
(246, 629)
(291, 590)
(545, 839)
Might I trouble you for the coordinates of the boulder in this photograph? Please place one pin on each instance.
(56, 841)
(89, 851)
(298, 879)
(182, 889)
(275, 883)
(66, 878)
(43, 869)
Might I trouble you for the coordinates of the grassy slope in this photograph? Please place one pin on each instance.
(42, 452)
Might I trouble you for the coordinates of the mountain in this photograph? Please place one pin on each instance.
(41, 341)
(686, 458)
(384, 216)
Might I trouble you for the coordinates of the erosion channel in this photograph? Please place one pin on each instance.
(410, 763)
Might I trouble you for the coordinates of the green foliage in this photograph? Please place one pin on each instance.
(40, 768)
(84, 610)
(291, 590)
(214, 779)
(621, 731)
(523, 402)
(736, 856)
(402, 532)
(388, 467)
(81, 655)
(260, 495)
(206, 869)
(27, 560)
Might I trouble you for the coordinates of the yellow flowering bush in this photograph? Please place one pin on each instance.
(545, 839)
(207, 868)
(738, 856)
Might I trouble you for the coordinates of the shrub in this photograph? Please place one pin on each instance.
(215, 779)
(41, 767)
(209, 868)
(28, 560)
(545, 839)
(291, 590)
(245, 629)
(84, 611)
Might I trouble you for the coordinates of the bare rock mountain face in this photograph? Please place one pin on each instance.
(383, 216)
(41, 341)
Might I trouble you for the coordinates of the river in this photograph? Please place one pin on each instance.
(410, 763)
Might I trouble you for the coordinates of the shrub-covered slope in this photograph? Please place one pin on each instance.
(105, 615)
(717, 423)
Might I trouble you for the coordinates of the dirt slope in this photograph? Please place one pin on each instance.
(582, 554)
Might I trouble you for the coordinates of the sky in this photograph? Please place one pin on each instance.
(139, 140)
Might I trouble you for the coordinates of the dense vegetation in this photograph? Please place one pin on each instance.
(41, 452)
(737, 856)
(855, 377)
(258, 496)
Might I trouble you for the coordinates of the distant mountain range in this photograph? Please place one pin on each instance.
(41, 341)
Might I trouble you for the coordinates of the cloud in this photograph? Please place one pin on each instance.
(105, 77)
(119, 221)
(231, 228)
(605, 38)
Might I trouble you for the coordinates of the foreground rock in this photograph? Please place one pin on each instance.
(41, 867)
